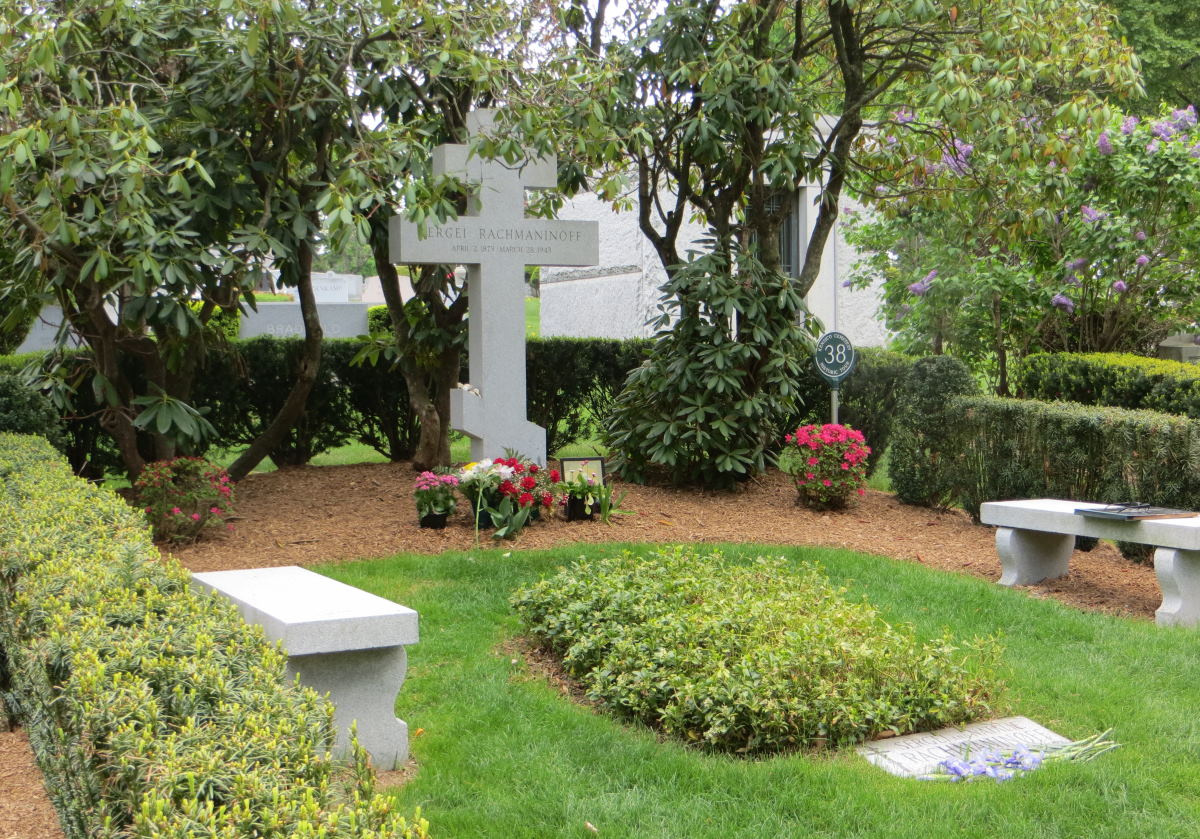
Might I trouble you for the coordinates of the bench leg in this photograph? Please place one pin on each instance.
(1179, 578)
(362, 685)
(1030, 556)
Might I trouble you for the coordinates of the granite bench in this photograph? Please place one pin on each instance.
(1035, 539)
(342, 641)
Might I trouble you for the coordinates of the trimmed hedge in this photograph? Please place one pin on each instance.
(920, 467)
(1021, 448)
(573, 383)
(23, 410)
(1116, 380)
(154, 710)
(749, 658)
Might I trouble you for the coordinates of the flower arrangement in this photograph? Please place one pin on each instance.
(434, 494)
(510, 490)
(827, 464)
(183, 496)
(1004, 766)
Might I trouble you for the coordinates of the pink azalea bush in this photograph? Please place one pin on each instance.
(828, 464)
(183, 496)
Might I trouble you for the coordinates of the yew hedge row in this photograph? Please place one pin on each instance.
(154, 710)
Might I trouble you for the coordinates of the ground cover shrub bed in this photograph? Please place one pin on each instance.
(154, 711)
(749, 658)
(505, 752)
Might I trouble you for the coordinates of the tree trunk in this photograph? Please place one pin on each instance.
(430, 400)
(306, 376)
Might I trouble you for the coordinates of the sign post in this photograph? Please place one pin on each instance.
(835, 358)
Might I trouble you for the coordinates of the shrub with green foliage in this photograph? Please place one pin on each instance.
(183, 496)
(1117, 380)
(1024, 448)
(920, 468)
(749, 658)
(716, 389)
(23, 410)
(252, 387)
(572, 385)
(153, 710)
(376, 394)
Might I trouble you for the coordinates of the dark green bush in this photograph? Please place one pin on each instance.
(1114, 379)
(249, 387)
(379, 415)
(751, 657)
(154, 711)
(25, 411)
(379, 321)
(13, 337)
(921, 468)
(225, 324)
(1024, 448)
(572, 384)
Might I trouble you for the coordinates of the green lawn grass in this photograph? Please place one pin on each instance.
(502, 754)
(533, 316)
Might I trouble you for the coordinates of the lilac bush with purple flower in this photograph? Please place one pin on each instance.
(1104, 256)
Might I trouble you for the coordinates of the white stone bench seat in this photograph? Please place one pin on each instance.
(1035, 539)
(341, 640)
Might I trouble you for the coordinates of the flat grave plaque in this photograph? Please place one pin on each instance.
(914, 755)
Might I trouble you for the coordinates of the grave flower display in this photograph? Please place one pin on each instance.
(183, 496)
(1006, 765)
(827, 464)
(434, 495)
(506, 493)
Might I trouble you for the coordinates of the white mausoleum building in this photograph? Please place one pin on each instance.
(620, 296)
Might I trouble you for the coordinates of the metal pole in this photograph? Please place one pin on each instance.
(833, 404)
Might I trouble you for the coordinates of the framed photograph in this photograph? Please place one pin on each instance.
(590, 467)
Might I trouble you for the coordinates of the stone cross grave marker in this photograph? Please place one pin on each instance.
(495, 241)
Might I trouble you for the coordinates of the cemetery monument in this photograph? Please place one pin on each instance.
(495, 241)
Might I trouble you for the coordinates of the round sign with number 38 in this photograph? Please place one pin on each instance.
(835, 357)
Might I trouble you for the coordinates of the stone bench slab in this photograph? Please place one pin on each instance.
(1054, 515)
(1035, 539)
(311, 613)
(340, 640)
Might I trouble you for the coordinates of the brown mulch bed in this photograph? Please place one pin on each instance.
(309, 515)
